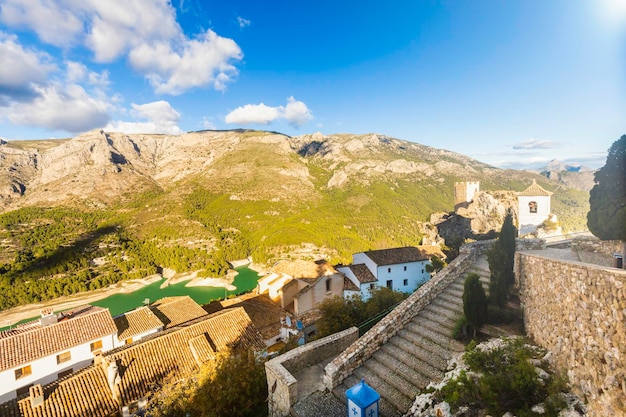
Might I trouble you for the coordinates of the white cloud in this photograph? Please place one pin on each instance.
(60, 107)
(252, 114)
(536, 144)
(34, 92)
(296, 113)
(208, 124)
(243, 22)
(145, 30)
(53, 21)
(21, 69)
(158, 117)
(197, 63)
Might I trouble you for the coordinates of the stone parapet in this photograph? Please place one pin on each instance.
(283, 386)
(595, 245)
(577, 311)
(360, 351)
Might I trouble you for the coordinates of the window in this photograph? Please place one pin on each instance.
(65, 373)
(405, 282)
(64, 357)
(389, 270)
(422, 271)
(24, 390)
(532, 207)
(328, 285)
(23, 372)
(372, 286)
(97, 345)
(389, 283)
(405, 267)
(128, 341)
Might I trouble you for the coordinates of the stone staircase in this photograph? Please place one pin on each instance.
(418, 353)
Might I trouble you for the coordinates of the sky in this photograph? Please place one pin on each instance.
(514, 84)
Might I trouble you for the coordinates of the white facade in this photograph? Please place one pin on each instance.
(47, 369)
(533, 208)
(401, 276)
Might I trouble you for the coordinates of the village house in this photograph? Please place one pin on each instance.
(534, 208)
(44, 350)
(121, 380)
(400, 269)
(298, 286)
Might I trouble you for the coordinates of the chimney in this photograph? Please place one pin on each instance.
(48, 317)
(36, 396)
(113, 378)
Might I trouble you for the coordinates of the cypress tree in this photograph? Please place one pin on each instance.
(501, 258)
(474, 301)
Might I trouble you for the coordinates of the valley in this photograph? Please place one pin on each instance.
(102, 208)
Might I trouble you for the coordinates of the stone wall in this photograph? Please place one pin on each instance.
(353, 357)
(283, 386)
(595, 245)
(578, 312)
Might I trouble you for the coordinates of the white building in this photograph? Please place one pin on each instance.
(44, 350)
(534, 208)
(400, 269)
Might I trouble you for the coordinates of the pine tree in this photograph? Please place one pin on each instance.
(607, 213)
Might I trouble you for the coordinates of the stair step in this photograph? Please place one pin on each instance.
(436, 335)
(421, 349)
(443, 317)
(453, 292)
(416, 359)
(385, 408)
(442, 307)
(453, 305)
(450, 298)
(387, 355)
(391, 377)
(394, 398)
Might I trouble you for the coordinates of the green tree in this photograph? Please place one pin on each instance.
(501, 258)
(232, 385)
(607, 212)
(436, 264)
(474, 302)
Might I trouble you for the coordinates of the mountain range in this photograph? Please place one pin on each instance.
(369, 190)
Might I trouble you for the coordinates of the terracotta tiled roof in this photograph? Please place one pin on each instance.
(136, 322)
(362, 273)
(396, 255)
(33, 341)
(264, 313)
(173, 311)
(535, 190)
(201, 349)
(84, 394)
(349, 285)
(169, 353)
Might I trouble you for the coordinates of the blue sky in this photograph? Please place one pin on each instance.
(510, 83)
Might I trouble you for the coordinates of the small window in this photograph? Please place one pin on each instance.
(97, 345)
(328, 285)
(23, 372)
(128, 341)
(372, 286)
(405, 267)
(389, 283)
(24, 390)
(405, 282)
(64, 357)
(422, 271)
(65, 373)
(532, 207)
